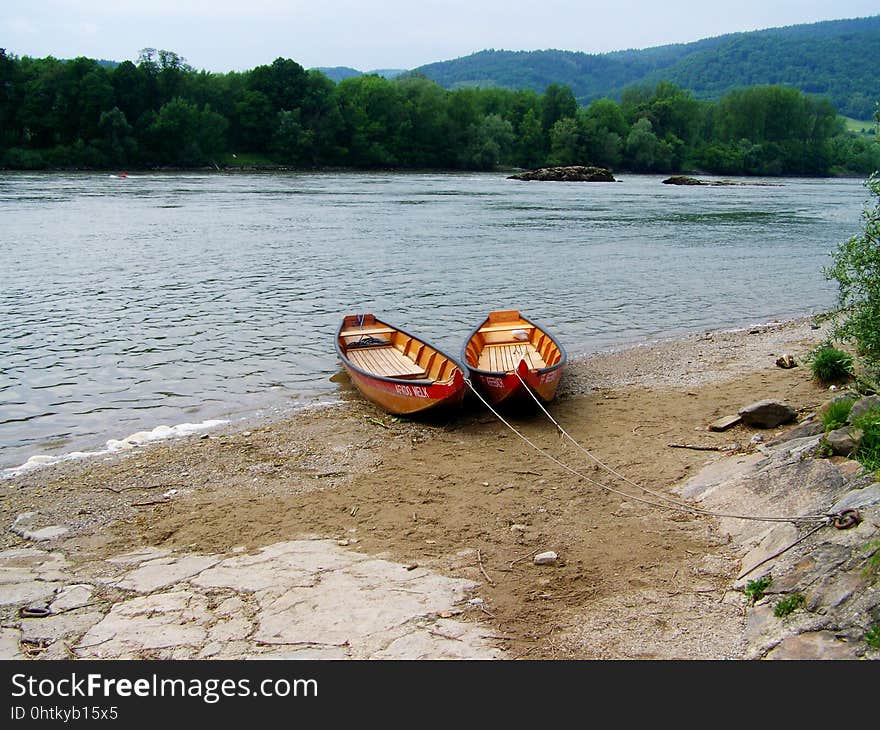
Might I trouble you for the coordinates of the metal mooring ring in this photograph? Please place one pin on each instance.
(847, 518)
(34, 612)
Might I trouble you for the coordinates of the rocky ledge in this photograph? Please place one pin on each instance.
(571, 173)
(808, 589)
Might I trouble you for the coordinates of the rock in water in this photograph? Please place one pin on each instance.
(767, 414)
(571, 173)
(683, 180)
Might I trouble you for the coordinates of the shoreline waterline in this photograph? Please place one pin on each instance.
(578, 370)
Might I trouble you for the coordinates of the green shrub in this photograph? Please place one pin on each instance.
(788, 604)
(830, 365)
(872, 636)
(754, 589)
(836, 413)
(867, 452)
(857, 271)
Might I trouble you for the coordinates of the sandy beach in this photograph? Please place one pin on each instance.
(464, 499)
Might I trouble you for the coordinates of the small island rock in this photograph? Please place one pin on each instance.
(571, 173)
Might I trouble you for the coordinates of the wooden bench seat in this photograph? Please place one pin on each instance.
(385, 361)
(505, 358)
(367, 333)
(507, 327)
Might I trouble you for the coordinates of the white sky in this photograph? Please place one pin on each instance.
(225, 35)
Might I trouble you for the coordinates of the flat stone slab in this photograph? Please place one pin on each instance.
(162, 572)
(135, 627)
(858, 498)
(777, 538)
(298, 599)
(72, 596)
(9, 646)
(726, 422)
(813, 645)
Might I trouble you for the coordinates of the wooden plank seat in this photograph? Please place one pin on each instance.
(385, 361)
(505, 358)
(507, 327)
(366, 333)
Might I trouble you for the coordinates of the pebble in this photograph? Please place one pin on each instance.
(547, 558)
(518, 528)
(476, 602)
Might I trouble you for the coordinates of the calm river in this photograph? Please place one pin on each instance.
(169, 298)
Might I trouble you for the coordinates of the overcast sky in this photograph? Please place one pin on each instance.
(225, 35)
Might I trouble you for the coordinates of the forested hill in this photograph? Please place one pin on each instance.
(835, 58)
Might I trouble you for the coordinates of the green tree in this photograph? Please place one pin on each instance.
(643, 152)
(856, 268)
(183, 134)
(490, 144)
(118, 145)
(558, 102)
(565, 143)
(603, 131)
(531, 149)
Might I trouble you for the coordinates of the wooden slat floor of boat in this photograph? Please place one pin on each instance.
(506, 358)
(385, 361)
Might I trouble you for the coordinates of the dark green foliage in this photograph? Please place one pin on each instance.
(831, 365)
(161, 112)
(755, 589)
(837, 413)
(828, 58)
(856, 268)
(872, 636)
(867, 452)
(788, 604)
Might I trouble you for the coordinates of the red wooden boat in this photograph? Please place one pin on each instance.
(397, 371)
(507, 344)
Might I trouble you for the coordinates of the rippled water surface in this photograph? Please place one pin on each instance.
(126, 303)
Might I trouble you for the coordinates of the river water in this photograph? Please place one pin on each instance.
(165, 298)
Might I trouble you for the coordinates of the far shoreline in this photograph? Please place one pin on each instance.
(267, 169)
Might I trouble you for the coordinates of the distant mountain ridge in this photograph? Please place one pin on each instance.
(340, 73)
(834, 58)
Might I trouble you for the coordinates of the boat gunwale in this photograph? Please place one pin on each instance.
(563, 355)
(427, 382)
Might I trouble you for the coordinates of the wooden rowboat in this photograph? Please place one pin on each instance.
(397, 371)
(505, 345)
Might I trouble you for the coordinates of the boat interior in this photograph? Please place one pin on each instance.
(376, 348)
(505, 339)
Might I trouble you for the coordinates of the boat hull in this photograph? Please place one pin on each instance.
(508, 390)
(513, 361)
(408, 397)
(397, 371)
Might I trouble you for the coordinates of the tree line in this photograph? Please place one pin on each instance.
(160, 112)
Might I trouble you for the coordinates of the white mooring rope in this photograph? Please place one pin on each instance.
(672, 504)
